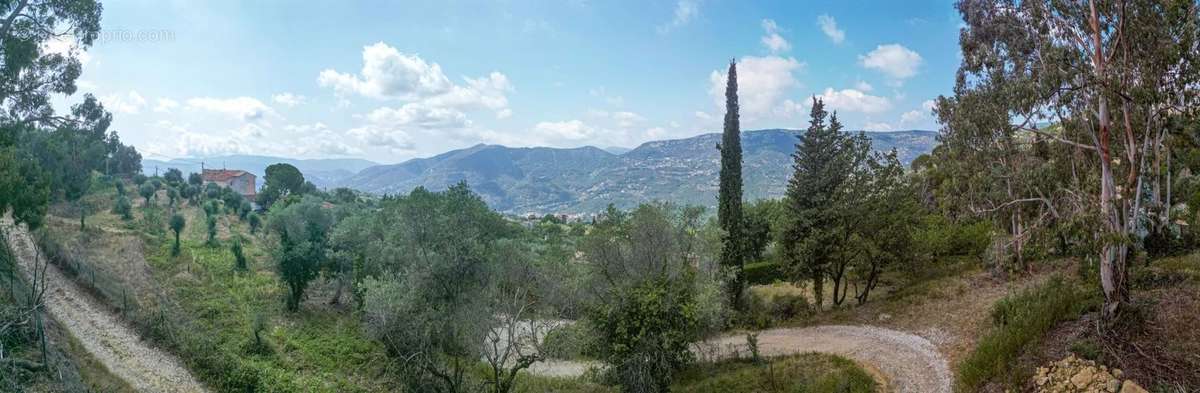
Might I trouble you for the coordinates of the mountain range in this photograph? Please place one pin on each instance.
(569, 180)
(587, 179)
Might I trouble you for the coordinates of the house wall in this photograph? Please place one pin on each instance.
(243, 184)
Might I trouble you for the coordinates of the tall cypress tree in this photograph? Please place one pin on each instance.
(729, 198)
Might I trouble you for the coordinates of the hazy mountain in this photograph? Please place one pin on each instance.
(322, 172)
(587, 179)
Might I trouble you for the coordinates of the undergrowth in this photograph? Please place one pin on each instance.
(1018, 322)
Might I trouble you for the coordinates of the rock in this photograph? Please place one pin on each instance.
(1132, 387)
(1113, 386)
(1083, 378)
(1116, 372)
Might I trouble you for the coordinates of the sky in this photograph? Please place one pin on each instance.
(391, 81)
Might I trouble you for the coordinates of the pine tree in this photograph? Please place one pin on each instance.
(729, 198)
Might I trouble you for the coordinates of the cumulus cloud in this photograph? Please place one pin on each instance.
(773, 40)
(130, 103)
(829, 26)
(894, 60)
(419, 115)
(165, 105)
(877, 126)
(389, 74)
(916, 116)
(851, 100)
(864, 86)
(685, 11)
(288, 99)
(242, 108)
(564, 131)
(762, 83)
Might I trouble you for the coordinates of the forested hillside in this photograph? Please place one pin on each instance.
(587, 179)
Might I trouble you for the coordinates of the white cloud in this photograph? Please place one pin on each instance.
(165, 105)
(894, 60)
(864, 86)
(685, 11)
(928, 105)
(67, 47)
(877, 126)
(916, 116)
(288, 99)
(703, 115)
(773, 40)
(243, 108)
(388, 73)
(851, 100)
(762, 83)
(130, 103)
(912, 117)
(419, 115)
(829, 27)
(564, 131)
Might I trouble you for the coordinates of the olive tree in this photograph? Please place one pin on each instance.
(301, 234)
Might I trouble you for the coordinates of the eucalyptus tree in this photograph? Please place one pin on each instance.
(1113, 76)
(30, 75)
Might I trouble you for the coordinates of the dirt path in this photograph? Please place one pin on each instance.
(109, 340)
(904, 362)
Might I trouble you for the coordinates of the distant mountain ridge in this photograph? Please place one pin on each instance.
(587, 179)
(321, 172)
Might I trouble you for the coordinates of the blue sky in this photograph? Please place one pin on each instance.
(389, 81)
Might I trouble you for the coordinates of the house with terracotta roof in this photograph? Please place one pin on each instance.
(238, 180)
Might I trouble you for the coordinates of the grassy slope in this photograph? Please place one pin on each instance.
(315, 349)
(211, 308)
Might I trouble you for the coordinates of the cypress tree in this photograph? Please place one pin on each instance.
(729, 198)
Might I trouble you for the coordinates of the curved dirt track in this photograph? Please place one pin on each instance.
(110, 341)
(905, 362)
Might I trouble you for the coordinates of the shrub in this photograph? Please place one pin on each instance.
(574, 341)
(177, 224)
(211, 224)
(239, 256)
(765, 310)
(645, 335)
(763, 273)
(255, 221)
(1019, 320)
(123, 207)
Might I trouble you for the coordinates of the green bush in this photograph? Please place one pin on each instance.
(940, 237)
(572, 341)
(123, 207)
(762, 273)
(765, 311)
(1018, 321)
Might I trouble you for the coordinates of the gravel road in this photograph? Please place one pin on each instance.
(110, 341)
(904, 362)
